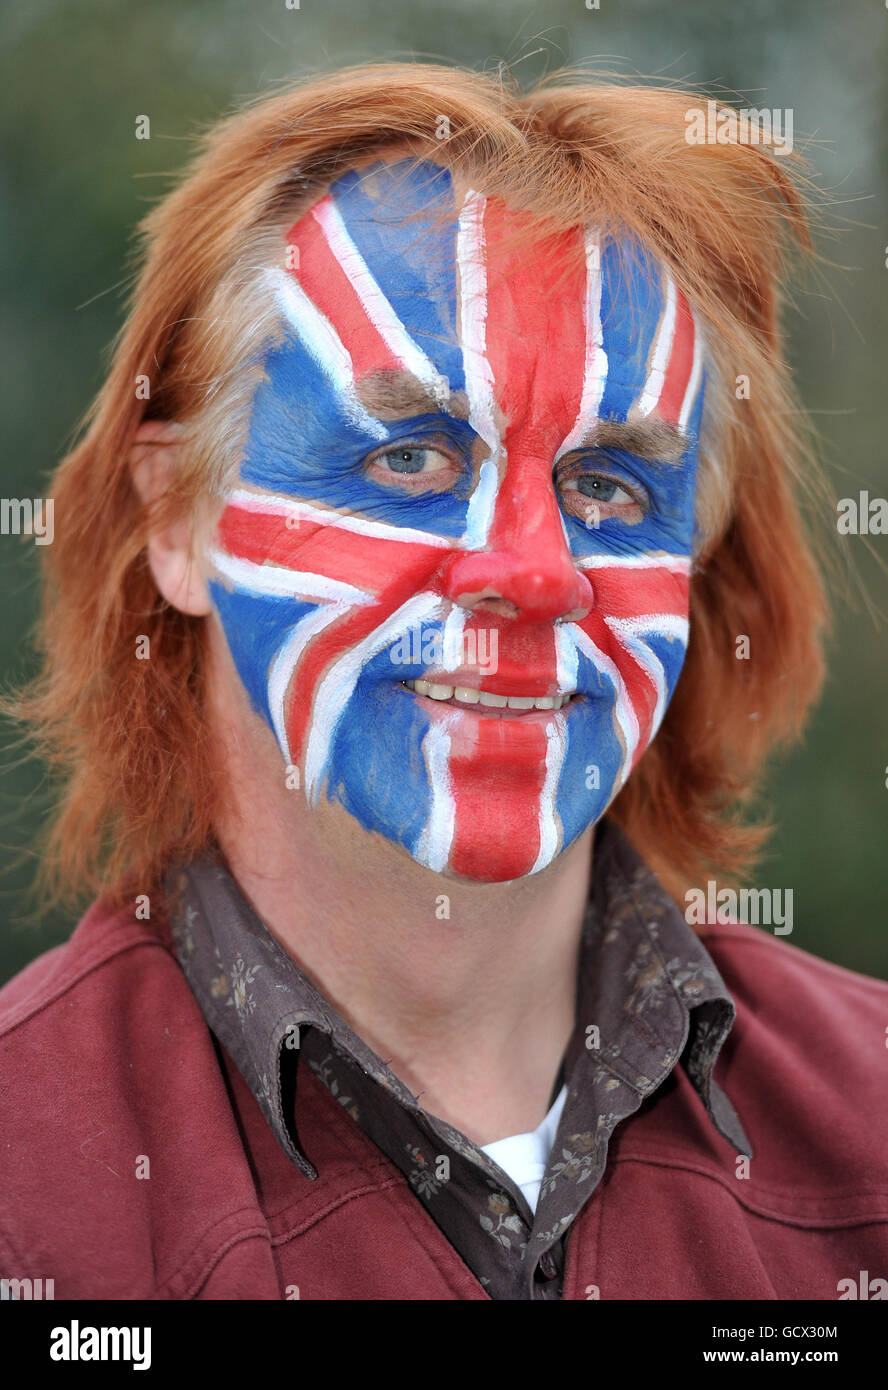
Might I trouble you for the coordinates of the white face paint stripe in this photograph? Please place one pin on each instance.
(566, 660)
(624, 713)
(651, 664)
(433, 847)
(595, 369)
(452, 642)
(470, 255)
(676, 564)
(690, 395)
(627, 632)
(550, 832)
(662, 348)
(375, 304)
(657, 624)
(284, 665)
(480, 509)
(336, 689)
(276, 581)
(325, 346)
(276, 504)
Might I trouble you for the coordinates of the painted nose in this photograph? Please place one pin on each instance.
(530, 577)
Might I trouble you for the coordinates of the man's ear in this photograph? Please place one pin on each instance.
(154, 460)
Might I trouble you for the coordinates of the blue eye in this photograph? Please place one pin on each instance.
(414, 468)
(600, 488)
(413, 460)
(593, 497)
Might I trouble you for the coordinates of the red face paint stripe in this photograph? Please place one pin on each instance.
(640, 686)
(626, 594)
(492, 799)
(360, 560)
(680, 365)
(309, 670)
(517, 660)
(330, 290)
(532, 294)
(631, 593)
(536, 294)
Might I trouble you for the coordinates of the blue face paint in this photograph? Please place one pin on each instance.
(462, 435)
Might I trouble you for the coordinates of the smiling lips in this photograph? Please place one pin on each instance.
(468, 695)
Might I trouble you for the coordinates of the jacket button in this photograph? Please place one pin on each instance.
(548, 1266)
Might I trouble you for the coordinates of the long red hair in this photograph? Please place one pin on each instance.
(129, 738)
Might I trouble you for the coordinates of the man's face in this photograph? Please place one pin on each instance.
(453, 575)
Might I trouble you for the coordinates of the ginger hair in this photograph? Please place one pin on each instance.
(129, 740)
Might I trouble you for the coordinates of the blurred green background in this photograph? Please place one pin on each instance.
(75, 181)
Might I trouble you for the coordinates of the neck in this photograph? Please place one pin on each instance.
(466, 990)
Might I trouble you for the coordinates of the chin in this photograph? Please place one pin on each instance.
(497, 859)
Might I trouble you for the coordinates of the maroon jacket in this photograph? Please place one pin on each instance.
(135, 1166)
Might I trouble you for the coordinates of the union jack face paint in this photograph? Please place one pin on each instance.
(468, 444)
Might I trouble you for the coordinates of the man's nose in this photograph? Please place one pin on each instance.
(527, 573)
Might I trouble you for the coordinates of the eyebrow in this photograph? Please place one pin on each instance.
(395, 395)
(652, 440)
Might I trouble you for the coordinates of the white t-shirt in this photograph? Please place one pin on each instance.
(524, 1156)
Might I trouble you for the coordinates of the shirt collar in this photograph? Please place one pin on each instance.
(647, 976)
(648, 993)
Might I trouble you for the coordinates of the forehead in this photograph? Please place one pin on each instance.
(400, 269)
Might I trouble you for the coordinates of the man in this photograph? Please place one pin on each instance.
(419, 499)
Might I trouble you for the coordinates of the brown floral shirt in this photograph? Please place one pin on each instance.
(648, 997)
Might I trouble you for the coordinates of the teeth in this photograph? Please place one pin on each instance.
(466, 695)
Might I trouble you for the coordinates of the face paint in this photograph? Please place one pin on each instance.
(466, 445)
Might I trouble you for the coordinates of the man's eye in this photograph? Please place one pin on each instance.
(413, 467)
(595, 495)
(413, 460)
(602, 489)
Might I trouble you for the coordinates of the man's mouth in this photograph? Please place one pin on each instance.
(469, 695)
